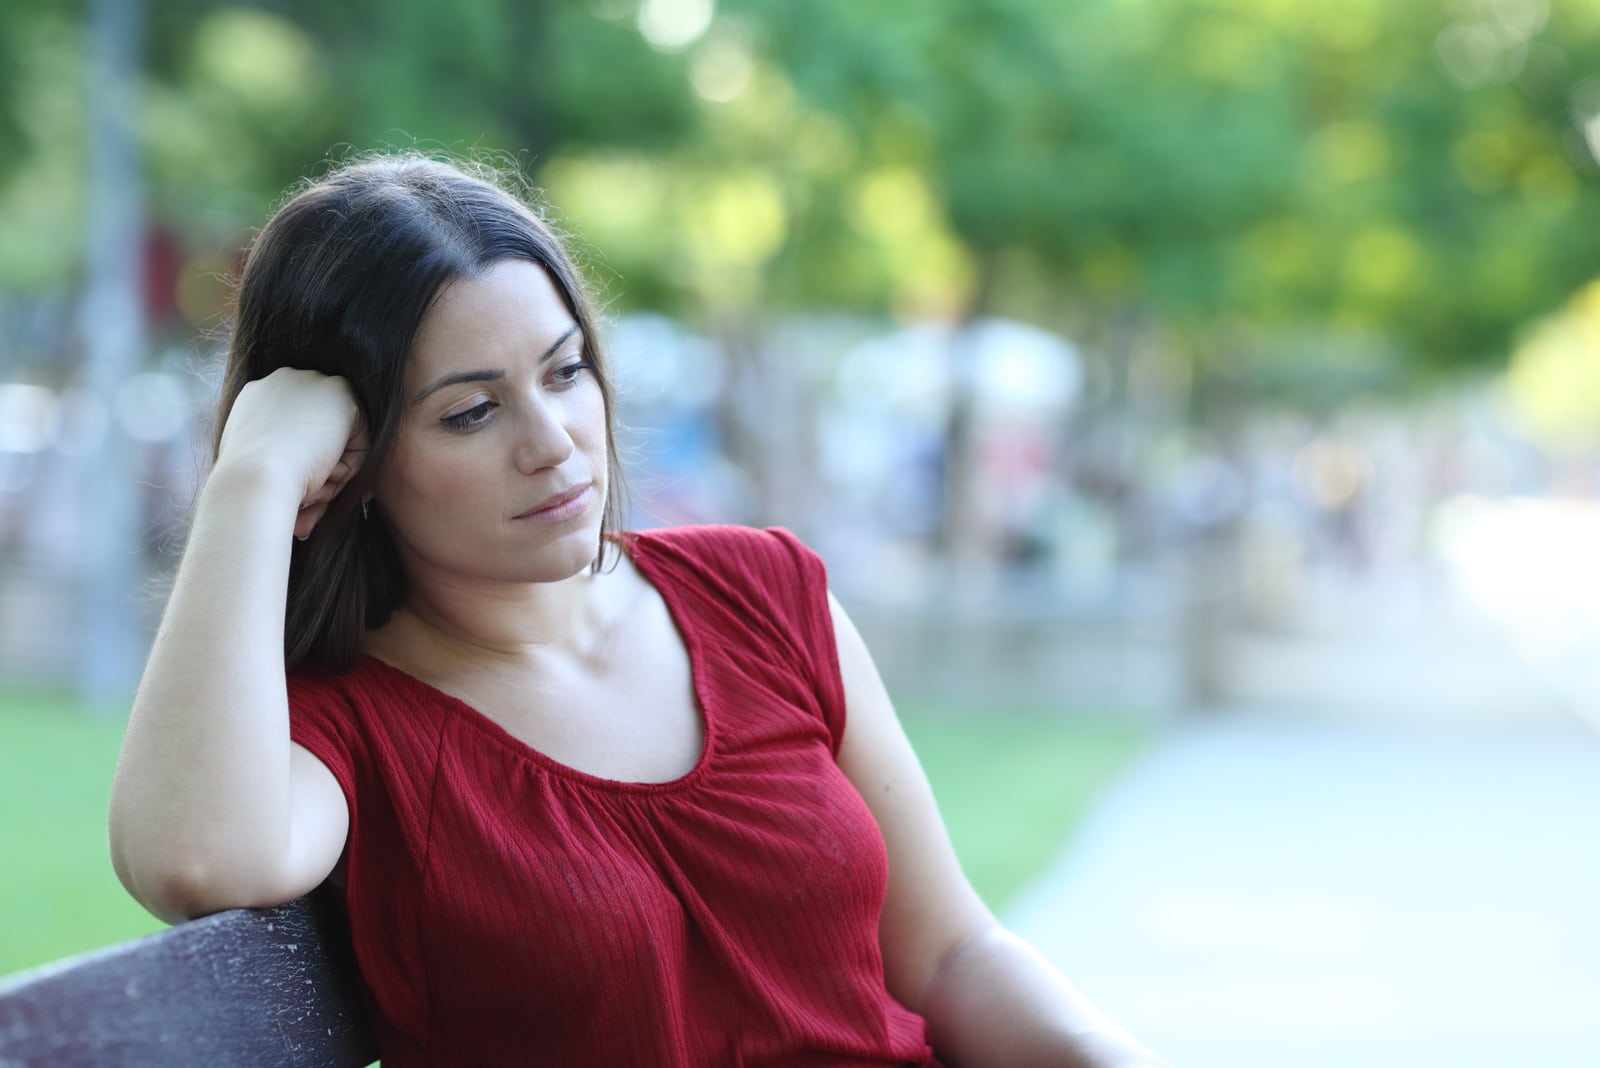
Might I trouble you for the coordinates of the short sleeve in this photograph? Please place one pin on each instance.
(763, 590)
(813, 617)
(319, 720)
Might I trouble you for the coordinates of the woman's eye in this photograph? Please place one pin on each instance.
(472, 417)
(568, 373)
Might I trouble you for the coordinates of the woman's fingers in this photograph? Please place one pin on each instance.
(344, 470)
(305, 521)
(339, 476)
(301, 422)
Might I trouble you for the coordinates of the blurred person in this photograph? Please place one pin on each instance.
(588, 796)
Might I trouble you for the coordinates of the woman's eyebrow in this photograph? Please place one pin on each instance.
(452, 379)
(562, 340)
(457, 377)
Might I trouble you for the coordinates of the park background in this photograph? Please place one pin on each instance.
(1196, 403)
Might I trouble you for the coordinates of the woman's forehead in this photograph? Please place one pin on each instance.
(510, 310)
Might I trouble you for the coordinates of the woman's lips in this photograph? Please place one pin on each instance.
(560, 507)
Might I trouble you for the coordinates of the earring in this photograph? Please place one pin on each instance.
(364, 509)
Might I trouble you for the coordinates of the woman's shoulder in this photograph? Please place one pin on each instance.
(372, 714)
(766, 574)
(719, 544)
(324, 693)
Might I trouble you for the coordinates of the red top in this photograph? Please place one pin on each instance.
(509, 910)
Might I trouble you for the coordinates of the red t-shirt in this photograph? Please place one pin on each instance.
(509, 910)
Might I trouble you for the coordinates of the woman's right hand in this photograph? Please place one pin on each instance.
(303, 426)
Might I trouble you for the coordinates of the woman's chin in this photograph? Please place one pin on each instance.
(571, 555)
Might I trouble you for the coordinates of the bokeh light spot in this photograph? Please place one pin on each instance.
(670, 25)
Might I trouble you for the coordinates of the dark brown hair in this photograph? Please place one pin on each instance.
(339, 281)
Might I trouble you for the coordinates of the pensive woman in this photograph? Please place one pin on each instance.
(589, 797)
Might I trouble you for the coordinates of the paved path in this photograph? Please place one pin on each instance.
(1306, 896)
(1292, 887)
(1386, 856)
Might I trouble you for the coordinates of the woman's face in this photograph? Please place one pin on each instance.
(499, 468)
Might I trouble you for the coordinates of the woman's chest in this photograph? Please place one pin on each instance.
(578, 897)
(627, 710)
(642, 724)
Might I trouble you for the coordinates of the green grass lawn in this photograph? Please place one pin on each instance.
(1011, 786)
(58, 894)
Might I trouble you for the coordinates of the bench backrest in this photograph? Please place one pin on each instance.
(271, 986)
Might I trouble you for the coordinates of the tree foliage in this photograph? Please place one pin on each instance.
(1418, 176)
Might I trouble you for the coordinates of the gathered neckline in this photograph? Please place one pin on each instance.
(489, 727)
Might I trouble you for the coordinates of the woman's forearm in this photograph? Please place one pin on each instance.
(996, 1002)
(200, 807)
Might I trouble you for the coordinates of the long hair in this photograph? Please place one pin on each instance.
(339, 281)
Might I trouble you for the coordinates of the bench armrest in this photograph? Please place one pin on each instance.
(247, 986)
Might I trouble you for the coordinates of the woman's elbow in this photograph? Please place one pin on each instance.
(176, 885)
(173, 891)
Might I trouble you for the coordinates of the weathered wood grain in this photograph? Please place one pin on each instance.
(252, 987)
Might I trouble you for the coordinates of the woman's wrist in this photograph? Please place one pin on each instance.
(252, 482)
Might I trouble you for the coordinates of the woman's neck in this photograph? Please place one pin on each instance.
(443, 626)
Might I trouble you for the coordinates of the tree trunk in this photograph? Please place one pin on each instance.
(961, 533)
(111, 642)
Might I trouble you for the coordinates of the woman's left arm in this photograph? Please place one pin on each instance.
(988, 997)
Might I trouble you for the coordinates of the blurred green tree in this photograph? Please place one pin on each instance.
(1247, 178)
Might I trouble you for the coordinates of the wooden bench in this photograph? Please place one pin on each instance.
(255, 987)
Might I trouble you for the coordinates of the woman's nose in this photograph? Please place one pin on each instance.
(544, 441)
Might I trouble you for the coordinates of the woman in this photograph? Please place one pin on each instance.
(590, 798)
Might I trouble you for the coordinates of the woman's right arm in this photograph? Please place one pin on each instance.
(213, 806)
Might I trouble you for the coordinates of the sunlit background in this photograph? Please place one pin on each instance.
(1196, 403)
